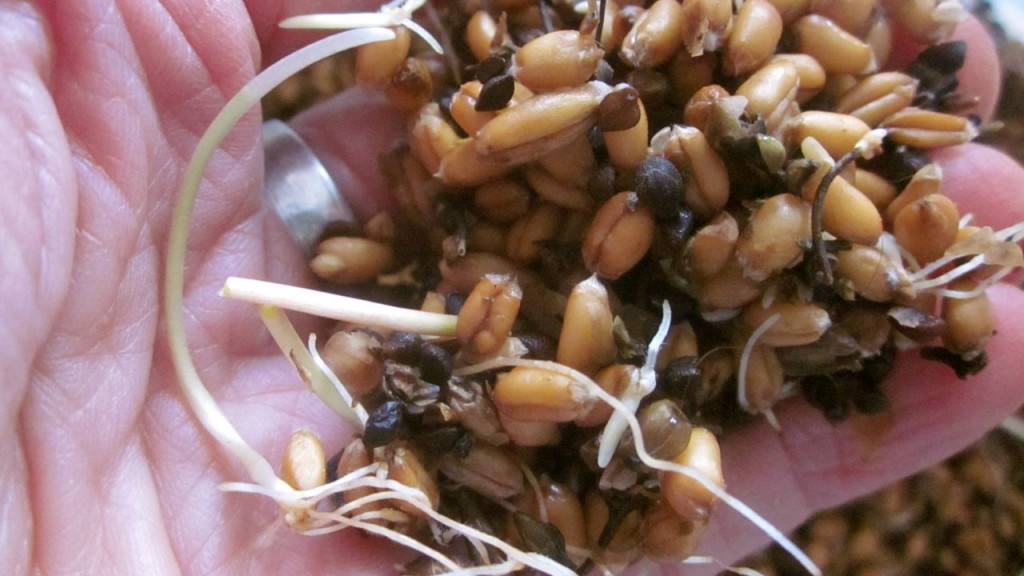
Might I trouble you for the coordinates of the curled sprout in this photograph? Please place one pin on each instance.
(867, 147)
(741, 377)
(357, 411)
(198, 396)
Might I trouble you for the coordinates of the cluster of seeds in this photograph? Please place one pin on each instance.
(651, 222)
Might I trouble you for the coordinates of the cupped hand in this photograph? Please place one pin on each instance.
(104, 469)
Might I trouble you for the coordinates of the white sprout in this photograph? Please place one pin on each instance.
(1010, 234)
(635, 392)
(310, 366)
(748, 348)
(358, 415)
(199, 398)
(398, 13)
(339, 307)
(664, 465)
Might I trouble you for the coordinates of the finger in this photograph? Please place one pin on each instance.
(984, 182)
(980, 75)
(813, 465)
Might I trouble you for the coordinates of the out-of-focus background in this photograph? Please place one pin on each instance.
(964, 517)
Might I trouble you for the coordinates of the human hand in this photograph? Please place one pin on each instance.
(105, 470)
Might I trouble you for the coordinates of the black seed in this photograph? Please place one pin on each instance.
(452, 218)
(495, 93)
(945, 58)
(897, 163)
(491, 66)
(659, 185)
(403, 347)
(435, 364)
(619, 110)
(385, 425)
(875, 369)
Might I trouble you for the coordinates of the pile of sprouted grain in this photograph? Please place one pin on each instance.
(646, 224)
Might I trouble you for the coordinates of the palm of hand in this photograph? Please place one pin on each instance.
(103, 469)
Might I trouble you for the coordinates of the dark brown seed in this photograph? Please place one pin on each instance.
(495, 93)
(435, 364)
(963, 367)
(659, 185)
(543, 538)
(403, 347)
(619, 110)
(490, 67)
